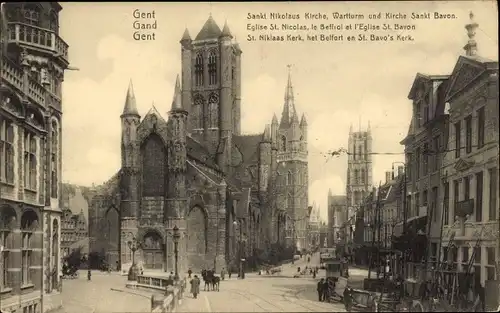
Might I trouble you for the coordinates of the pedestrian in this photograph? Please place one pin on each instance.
(298, 269)
(89, 275)
(308, 259)
(189, 273)
(223, 274)
(319, 288)
(229, 273)
(195, 286)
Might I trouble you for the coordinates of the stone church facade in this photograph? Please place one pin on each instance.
(195, 170)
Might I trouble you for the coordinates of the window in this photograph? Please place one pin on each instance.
(198, 70)
(213, 111)
(418, 118)
(356, 176)
(425, 198)
(425, 160)
(362, 176)
(434, 200)
(28, 226)
(435, 153)
(466, 188)
(456, 193)
(408, 168)
(30, 163)
(32, 15)
(54, 25)
(360, 152)
(458, 138)
(289, 178)
(54, 151)
(408, 208)
(212, 68)
(479, 197)
(5, 242)
(198, 113)
(283, 143)
(6, 151)
(492, 173)
(426, 113)
(417, 204)
(480, 128)
(465, 257)
(468, 134)
(417, 162)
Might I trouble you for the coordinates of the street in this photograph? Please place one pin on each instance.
(256, 293)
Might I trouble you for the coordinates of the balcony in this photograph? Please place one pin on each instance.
(13, 76)
(39, 38)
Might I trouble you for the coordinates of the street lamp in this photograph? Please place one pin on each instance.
(133, 271)
(177, 236)
(240, 249)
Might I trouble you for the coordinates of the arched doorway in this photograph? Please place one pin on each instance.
(152, 249)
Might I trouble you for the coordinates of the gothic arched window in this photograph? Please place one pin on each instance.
(283, 143)
(198, 112)
(54, 160)
(198, 70)
(54, 25)
(362, 176)
(32, 15)
(360, 152)
(356, 176)
(213, 111)
(289, 178)
(30, 153)
(212, 68)
(153, 166)
(6, 151)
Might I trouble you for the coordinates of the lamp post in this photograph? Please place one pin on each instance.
(176, 236)
(133, 246)
(240, 249)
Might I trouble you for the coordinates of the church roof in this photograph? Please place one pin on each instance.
(200, 153)
(248, 145)
(210, 30)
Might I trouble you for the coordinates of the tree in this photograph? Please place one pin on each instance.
(96, 260)
(75, 259)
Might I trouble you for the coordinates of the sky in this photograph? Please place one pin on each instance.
(336, 84)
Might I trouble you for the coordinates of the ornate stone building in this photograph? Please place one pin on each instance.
(33, 59)
(314, 227)
(198, 172)
(359, 178)
(337, 218)
(470, 169)
(73, 232)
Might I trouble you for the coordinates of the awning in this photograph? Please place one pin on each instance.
(398, 228)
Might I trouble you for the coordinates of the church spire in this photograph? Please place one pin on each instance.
(177, 100)
(130, 107)
(289, 103)
(471, 46)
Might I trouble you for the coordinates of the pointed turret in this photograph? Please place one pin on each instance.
(289, 103)
(210, 30)
(186, 37)
(350, 129)
(303, 121)
(225, 31)
(130, 107)
(266, 137)
(330, 192)
(177, 99)
(295, 119)
(275, 119)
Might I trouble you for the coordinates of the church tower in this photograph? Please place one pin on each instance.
(129, 177)
(176, 204)
(359, 174)
(211, 78)
(292, 153)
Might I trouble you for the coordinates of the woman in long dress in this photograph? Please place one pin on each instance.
(195, 286)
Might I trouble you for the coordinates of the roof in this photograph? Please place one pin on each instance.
(210, 30)
(248, 145)
(421, 79)
(200, 153)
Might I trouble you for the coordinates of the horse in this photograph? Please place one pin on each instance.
(215, 283)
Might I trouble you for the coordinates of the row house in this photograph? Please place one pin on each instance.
(74, 232)
(470, 170)
(338, 224)
(33, 59)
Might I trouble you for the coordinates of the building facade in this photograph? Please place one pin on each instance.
(359, 178)
(314, 228)
(470, 169)
(34, 58)
(73, 232)
(229, 193)
(337, 219)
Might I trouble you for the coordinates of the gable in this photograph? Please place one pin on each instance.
(153, 122)
(462, 165)
(465, 72)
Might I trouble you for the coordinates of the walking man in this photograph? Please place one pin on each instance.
(195, 286)
(320, 288)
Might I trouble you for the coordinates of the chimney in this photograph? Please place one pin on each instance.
(401, 171)
(388, 176)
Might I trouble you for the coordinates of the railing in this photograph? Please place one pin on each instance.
(173, 294)
(38, 37)
(13, 75)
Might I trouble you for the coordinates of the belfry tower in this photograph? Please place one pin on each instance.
(359, 174)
